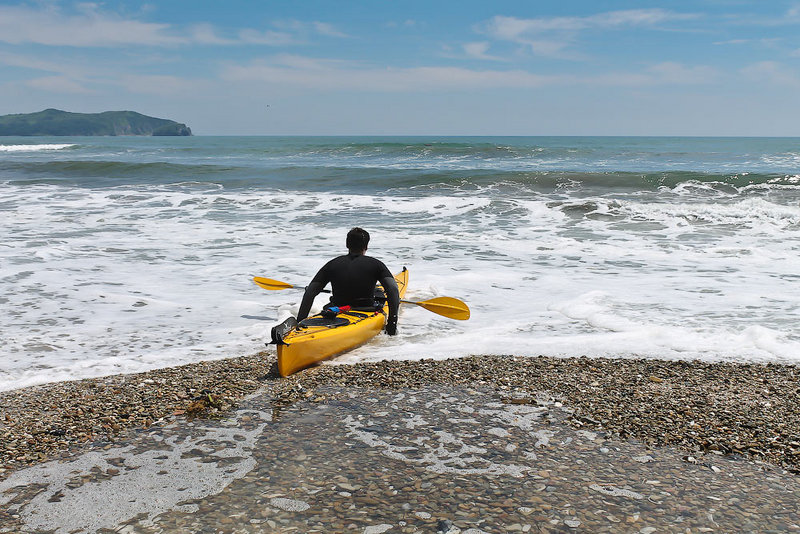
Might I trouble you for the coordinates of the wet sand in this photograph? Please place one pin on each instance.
(418, 447)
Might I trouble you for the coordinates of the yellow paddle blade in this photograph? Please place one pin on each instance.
(447, 306)
(268, 283)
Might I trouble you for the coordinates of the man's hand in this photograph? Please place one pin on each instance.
(391, 326)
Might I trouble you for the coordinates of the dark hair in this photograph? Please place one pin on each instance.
(357, 239)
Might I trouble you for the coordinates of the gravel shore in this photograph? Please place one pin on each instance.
(745, 409)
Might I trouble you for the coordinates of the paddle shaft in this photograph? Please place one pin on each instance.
(446, 306)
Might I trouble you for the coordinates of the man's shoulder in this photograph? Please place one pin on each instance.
(372, 259)
(330, 266)
(338, 259)
(361, 259)
(383, 270)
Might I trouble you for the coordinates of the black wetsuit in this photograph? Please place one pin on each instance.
(353, 278)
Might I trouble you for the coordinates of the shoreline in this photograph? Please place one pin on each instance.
(744, 409)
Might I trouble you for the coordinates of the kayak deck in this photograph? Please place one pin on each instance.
(306, 345)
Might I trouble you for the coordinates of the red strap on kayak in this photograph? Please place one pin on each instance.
(333, 311)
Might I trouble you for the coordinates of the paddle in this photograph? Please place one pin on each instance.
(446, 306)
(269, 283)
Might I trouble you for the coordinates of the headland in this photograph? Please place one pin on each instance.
(54, 122)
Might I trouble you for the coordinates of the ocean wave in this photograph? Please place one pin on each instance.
(416, 149)
(95, 173)
(584, 154)
(371, 180)
(756, 214)
(35, 148)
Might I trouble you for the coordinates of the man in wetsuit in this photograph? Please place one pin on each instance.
(353, 278)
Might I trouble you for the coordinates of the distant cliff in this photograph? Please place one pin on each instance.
(57, 122)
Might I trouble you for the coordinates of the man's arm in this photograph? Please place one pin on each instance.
(312, 290)
(393, 297)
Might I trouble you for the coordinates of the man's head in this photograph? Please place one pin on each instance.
(357, 240)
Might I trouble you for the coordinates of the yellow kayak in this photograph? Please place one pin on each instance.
(318, 338)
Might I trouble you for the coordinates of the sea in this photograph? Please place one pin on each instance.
(124, 254)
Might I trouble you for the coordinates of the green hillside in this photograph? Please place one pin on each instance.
(57, 122)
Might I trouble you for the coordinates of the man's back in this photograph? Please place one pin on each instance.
(353, 278)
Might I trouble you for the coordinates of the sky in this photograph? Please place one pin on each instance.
(380, 67)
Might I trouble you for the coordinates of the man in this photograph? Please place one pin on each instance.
(353, 278)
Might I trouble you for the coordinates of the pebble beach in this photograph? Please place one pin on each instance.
(745, 409)
(328, 448)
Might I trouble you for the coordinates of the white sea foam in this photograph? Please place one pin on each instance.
(101, 281)
(788, 159)
(34, 148)
(148, 482)
(616, 492)
(459, 450)
(289, 505)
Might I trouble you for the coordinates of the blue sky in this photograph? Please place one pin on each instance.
(380, 67)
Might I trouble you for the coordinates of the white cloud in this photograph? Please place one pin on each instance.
(514, 29)
(408, 23)
(316, 74)
(50, 26)
(302, 31)
(479, 50)
(92, 27)
(767, 42)
(207, 34)
(323, 28)
(341, 75)
(790, 17)
(162, 85)
(35, 63)
(552, 35)
(660, 74)
(551, 48)
(58, 84)
(634, 17)
(773, 73)
(670, 72)
(71, 77)
(268, 37)
(732, 42)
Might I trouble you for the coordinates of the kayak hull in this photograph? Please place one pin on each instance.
(306, 346)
